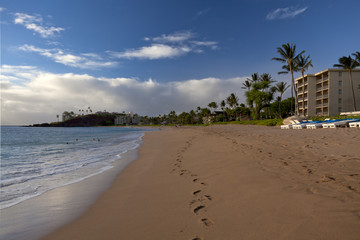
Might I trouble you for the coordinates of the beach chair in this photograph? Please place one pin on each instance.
(285, 126)
(354, 124)
(327, 123)
(292, 123)
(314, 125)
(300, 125)
(342, 123)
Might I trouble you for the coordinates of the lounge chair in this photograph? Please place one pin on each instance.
(355, 124)
(342, 123)
(314, 125)
(327, 123)
(292, 123)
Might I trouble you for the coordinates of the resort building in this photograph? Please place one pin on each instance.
(327, 93)
(127, 119)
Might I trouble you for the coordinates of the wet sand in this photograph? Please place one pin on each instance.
(232, 182)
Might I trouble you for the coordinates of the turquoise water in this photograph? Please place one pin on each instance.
(36, 160)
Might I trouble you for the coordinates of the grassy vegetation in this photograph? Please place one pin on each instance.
(266, 122)
(322, 118)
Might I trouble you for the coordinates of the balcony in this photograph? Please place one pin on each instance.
(321, 105)
(324, 79)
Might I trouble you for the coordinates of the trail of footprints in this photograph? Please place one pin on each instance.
(200, 199)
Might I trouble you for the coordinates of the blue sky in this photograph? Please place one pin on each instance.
(152, 57)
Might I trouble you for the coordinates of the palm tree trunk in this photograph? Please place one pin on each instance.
(280, 106)
(352, 88)
(293, 87)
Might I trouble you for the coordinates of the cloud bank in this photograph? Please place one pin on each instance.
(283, 13)
(30, 95)
(35, 24)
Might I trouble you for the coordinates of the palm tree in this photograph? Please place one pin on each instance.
(303, 63)
(288, 55)
(232, 101)
(258, 99)
(281, 87)
(254, 78)
(357, 57)
(213, 105)
(246, 85)
(222, 106)
(286, 68)
(349, 64)
(266, 81)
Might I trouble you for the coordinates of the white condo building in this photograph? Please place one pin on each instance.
(327, 93)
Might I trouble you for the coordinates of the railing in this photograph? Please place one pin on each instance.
(322, 105)
(322, 79)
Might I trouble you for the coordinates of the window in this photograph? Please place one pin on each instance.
(340, 74)
(340, 83)
(340, 100)
(340, 109)
(340, 91)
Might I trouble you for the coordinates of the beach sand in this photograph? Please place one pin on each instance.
(232, 182)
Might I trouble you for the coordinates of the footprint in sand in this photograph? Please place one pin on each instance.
(207, 222)
(352, 175)
(327, 178)
(196, 192)
(209, 197)
(197, 209)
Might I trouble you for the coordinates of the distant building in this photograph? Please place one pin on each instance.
(327, 93)
(127, 119)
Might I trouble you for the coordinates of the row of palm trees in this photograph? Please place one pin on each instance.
(299, 62)
(260, 92)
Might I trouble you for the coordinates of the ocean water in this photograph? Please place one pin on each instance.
(36, 160)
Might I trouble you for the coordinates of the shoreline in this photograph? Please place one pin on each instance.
(66, 202)
(231, 182)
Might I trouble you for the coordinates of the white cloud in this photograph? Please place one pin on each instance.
(44, 94)
(85, 60)
(155, 51)
(282, 13)
(212, 45)
(203, 12)
(167, 46)
(2, 9)
(35, 23)
(175, 37)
